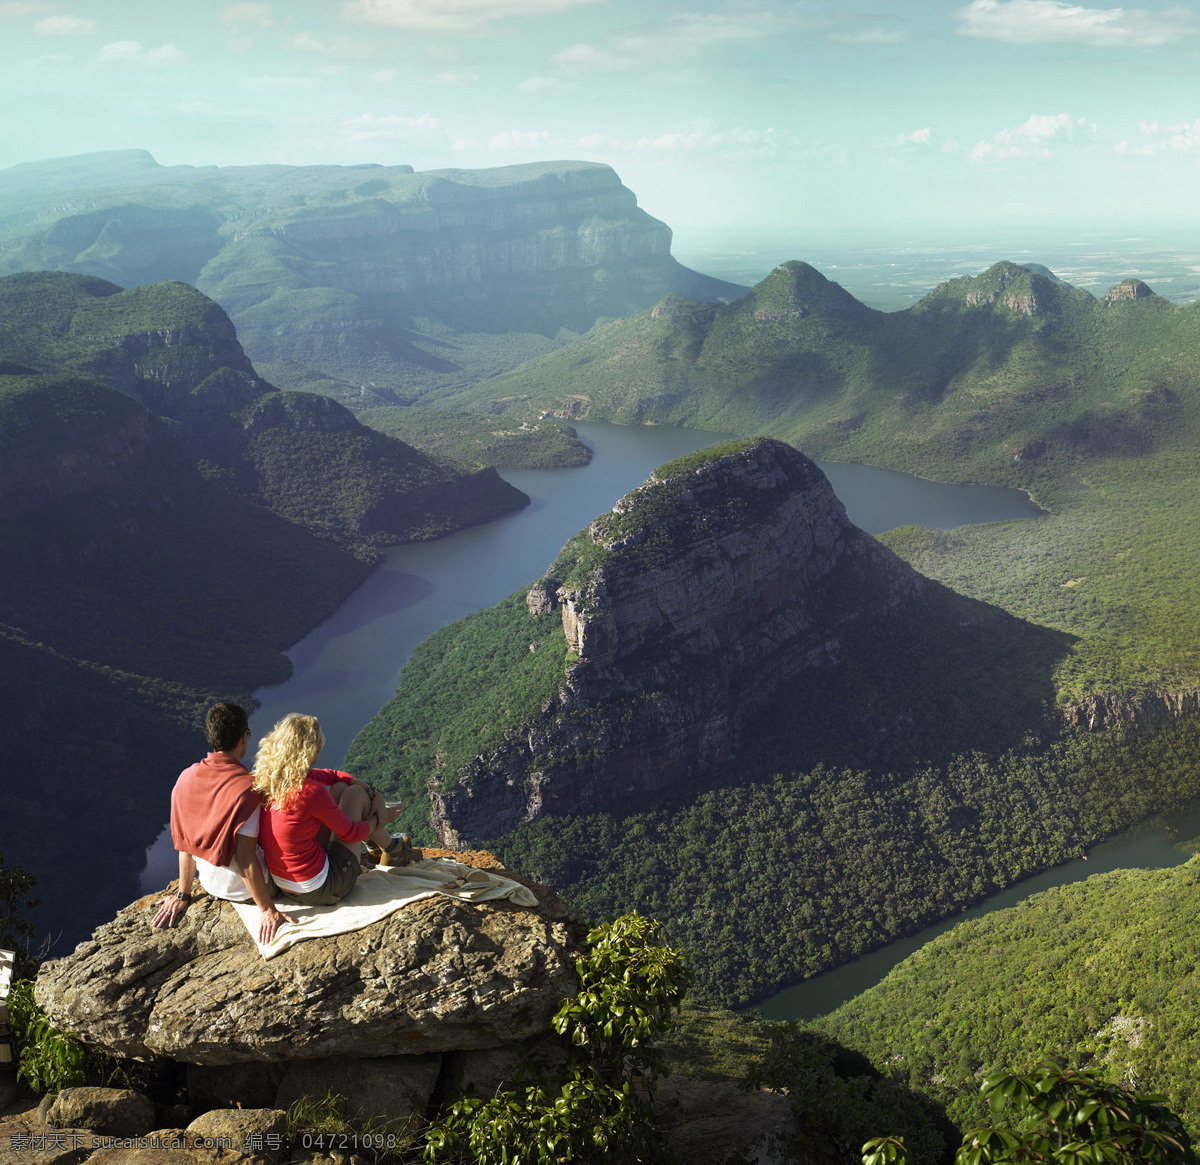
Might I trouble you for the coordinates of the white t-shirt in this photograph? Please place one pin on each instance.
(225, 881)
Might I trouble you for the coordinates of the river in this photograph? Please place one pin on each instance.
(1148, 848)
(349, 666)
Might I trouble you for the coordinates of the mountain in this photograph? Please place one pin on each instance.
(170, 523)
(1099, 973)
(1007, 378)
(726, 707)
(373, 284)
(176, 352)
(1010, 356)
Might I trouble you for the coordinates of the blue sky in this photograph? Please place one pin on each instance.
(835, 120)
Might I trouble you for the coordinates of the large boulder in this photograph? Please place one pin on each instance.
(437, 975)
(115, 1112)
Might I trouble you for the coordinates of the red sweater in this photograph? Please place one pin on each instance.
(289, 836)
(210, 801)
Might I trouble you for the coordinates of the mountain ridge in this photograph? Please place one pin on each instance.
(372, 283)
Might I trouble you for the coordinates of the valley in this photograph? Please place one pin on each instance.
(720, 703)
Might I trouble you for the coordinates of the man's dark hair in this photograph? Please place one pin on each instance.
(225, 725)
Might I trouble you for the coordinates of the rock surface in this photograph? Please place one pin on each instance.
(699, 595)
(115, 1112)
(387, 1088)
(438, 975)
(253, 1131)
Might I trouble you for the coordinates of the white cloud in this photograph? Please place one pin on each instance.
(541, 85)
(456, 78)
(924, 139)
(514, 139)
(63, 25)
(131, 52)
(683, 37)
(1181, 138)
(1033, 138)
(382, 76)
(449, 15)
(732, 144)
(1055, 22)
(341, 47)
(377, 129)
(259, 14)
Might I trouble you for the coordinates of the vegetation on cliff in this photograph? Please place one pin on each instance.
(776, 874)
(372, 283)
(1100, 973)
(1009, 378)
(921, 771)
(303, 456)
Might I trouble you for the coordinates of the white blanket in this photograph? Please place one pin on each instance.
(381, 892)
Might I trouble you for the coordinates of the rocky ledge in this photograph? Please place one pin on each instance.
(437, 976)
(728, 573)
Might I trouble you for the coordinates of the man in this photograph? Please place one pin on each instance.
(214, 826)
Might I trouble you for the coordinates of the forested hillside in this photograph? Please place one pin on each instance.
(1101, 973)
(1010, 378)
(170, 523)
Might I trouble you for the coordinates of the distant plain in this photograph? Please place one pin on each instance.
(893, 276)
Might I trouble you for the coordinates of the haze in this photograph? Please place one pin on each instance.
(850, 121)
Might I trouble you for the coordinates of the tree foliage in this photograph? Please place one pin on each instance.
(1062, 1116)
(630, 982)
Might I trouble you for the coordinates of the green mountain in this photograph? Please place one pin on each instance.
(306, 457)
(170, 524)
(1005, 358)
(1009, 378)
(372, 284)
(724, 706)
(1101, 973)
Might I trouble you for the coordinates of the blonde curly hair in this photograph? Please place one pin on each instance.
(284, 757)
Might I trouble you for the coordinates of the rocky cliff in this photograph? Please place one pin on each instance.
(727, 574)
(358, 274)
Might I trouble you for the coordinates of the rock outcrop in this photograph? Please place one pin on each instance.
(436, 976)
(684, 609)
(1128, 289)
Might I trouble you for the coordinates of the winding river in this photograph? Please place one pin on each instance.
(349, 666)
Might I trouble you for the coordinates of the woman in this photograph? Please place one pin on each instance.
(314, 820)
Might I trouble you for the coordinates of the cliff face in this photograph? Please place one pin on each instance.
(370, 256)
(684, 609)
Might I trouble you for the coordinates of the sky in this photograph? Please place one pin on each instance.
(850, 119)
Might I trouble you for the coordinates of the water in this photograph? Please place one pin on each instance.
(346, 669)
(1151, 848)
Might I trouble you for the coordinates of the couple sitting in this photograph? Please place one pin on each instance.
(286, 826)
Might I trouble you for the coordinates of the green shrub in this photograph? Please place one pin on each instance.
(1065, 1116)
(47, 1059)
(629, 984)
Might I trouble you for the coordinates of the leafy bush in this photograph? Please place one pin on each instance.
(47, 1059)
(16, 932)
(630, 982)
(1064, 1116)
